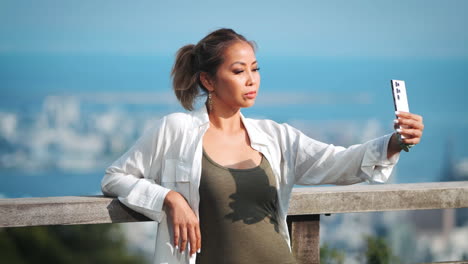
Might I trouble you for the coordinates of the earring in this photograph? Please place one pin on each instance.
(210, 102)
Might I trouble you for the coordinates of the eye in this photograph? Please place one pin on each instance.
(238, 71)
(256, 69)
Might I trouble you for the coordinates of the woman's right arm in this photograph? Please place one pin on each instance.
(128, 178)
(135, 179)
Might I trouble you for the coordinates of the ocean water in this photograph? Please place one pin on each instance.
(65, 118)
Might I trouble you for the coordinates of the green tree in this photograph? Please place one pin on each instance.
(91, 244)
(331, 255)
(378, 251)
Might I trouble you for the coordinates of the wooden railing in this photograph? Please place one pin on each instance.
(303, 216)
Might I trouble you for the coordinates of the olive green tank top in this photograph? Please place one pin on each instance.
(238, 216)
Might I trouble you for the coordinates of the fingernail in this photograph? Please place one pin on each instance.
(199, 251)
(397, 112)
(177, 247)
(395, 121)
(398, 130)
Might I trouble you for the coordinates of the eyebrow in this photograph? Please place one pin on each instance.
(242, 63)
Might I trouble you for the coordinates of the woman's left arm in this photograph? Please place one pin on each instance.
(316, 162)
(411, 128)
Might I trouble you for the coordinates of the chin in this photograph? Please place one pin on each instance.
(248, 105)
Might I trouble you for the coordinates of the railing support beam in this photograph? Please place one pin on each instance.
(304, 231)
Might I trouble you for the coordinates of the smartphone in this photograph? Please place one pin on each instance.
(400, 99)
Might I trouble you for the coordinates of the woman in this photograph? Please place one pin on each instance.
(213, 176)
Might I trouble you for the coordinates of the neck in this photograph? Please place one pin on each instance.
(227, 120)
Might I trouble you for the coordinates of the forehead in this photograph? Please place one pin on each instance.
(239, 51)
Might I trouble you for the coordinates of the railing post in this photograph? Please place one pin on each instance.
(304, 231)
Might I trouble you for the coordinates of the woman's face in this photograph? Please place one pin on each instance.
(237, 79)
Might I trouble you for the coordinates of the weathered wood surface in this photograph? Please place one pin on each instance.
(304, 231)
(68, 210)
(312, 200)
(382, 197)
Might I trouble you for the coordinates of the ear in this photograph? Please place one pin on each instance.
(207, 81)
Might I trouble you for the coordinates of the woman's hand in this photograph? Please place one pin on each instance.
(184, 221)
(410, 126)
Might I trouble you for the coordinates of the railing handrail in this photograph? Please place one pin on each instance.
(69, 210)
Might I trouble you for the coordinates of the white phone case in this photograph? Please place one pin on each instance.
(400, 98)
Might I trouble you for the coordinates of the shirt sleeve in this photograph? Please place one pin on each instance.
(128, 177)
(319, 163)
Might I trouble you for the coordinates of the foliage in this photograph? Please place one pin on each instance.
(331, 255)
(378, 251)
(65, 244)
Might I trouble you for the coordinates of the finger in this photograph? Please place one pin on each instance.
(411, 141)
(176, 236)
(193, 240)
(396, 124)
(409, 123)
(409, 133)
(183, 236)
(409, 115)
(197, 232)
(402, 114)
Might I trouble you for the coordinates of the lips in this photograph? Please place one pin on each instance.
(251, 95)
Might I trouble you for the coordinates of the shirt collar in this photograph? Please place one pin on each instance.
(256, 136)
(200, 116)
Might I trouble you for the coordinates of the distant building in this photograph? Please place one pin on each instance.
(435, 221)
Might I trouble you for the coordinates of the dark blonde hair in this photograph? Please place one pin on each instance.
(206, 56)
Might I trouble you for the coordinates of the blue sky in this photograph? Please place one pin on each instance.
(364, 28)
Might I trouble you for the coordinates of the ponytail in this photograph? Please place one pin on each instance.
(185, 77)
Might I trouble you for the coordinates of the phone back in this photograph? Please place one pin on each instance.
(399, 96)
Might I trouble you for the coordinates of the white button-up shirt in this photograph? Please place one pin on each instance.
(168, 157)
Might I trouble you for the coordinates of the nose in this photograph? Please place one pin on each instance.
(252, 78)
